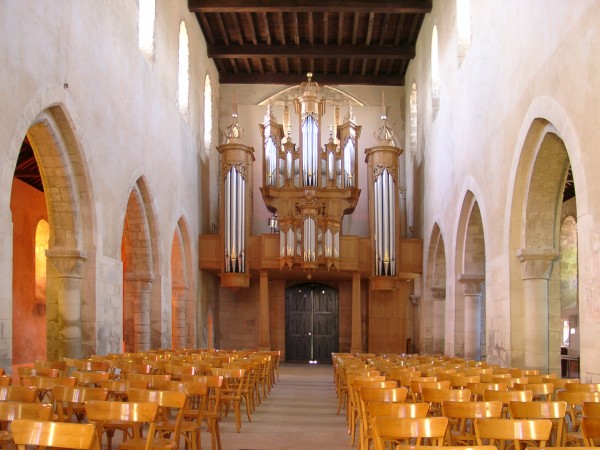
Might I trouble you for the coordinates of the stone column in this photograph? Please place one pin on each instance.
(178, 297)
(402, 207)
(415, 301)
(356, 335)
(69, 266)
(264, 337)
(439, 319)
(537, 265)
(141, 288)
(472, 284)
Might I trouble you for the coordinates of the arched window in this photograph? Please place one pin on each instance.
(184, 70)
(435, 72)
(147, 12)
(207, 114)
(463, 28)
(413, 118)
(42, 233)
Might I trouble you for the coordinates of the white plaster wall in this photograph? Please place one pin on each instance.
(527, 59)
(127, 126)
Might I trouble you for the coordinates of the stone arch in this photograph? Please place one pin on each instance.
(470, 263)
(142, 328)
(182, 289)
(534, 239)
(433, 315)
(52, 129)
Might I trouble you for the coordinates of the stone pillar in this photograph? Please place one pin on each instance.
(402, 207)
(439, 319)
(264, 338)
(140, 284)
(537, 265)
(356, 336)
(69, 266)
(472, 284)
(415, 301)
(178, 297)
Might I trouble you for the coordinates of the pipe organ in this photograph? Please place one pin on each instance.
(309, 186)
(235, 198)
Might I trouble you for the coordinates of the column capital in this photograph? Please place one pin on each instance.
(537, 262)
(67, 262)
(472, 283)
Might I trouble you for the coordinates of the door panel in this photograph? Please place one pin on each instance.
(311, 323)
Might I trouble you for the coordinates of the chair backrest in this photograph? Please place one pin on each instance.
(446, 447)
(472, 410)
(50, 382)
(377, 394)
(461, 380)
(90, 365)
(151, 379)
(434, 395)
(582, 387)
(80, 436)
(10, 411)
(132, 412)
(5, 380)
(499, 431)
(90, 379)
(25, 374)
(61, 366)
(396, 430)
(508, 396)
(590, 428)
(553, 410)
(591, 409)
(18, 393)
(397, 409)
(543, 391)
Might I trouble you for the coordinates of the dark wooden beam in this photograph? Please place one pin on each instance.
(316, 50)
(297, 78)
(363, 6)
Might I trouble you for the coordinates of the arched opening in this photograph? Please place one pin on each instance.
(141, 316)
(146, 19)
(463, 28)
(433, 309)
(183, 71)
(208, 111)
(542, 185)
(51, 224)
(311, 323)
(183, 310)
(413, 119)
(470, 293)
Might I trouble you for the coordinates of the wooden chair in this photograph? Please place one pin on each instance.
(435, 398)
(44, 434)
(152, 379)
(70, 401)
(502, 432)
(60, 365)
(541, 391)
(591, 409)
(45, 385)
(130, 416)
(27, 394)
(590, 428)
(5, 380)
(462, 416)
(117, 389)
(416, 387)
(506, 397)
(374, 394)
(478, 388)
(582, 387)
(395, 431)
(167, 429)
(553, 410)
(25, 374)
(91, 378)
(231, 395)
(445, 447)
(575, 401)
(90, 365)
(461, 381)
(559, 383)
(356, 385)
(9, 411)
(388, 409)
(211, 413)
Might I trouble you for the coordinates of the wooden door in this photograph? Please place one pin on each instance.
(311, 318)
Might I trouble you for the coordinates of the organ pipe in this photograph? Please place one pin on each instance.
(385, 225)
(235, 212)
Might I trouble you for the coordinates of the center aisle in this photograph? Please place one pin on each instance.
(299, 414)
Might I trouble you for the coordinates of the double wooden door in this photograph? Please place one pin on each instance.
(311, 323)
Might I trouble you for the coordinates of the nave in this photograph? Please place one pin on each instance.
(300, 413)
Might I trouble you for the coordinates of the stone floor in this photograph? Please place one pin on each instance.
(300, 413)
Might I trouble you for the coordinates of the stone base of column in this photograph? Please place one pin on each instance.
(356, 350)
(264, 349)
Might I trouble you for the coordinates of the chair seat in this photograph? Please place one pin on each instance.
(140, 443)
